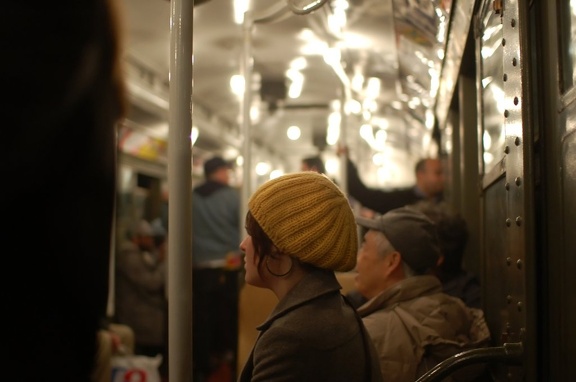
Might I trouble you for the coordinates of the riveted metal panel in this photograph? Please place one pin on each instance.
(504, 178)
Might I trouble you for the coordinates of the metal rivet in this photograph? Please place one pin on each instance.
(506, 113)
(507, 186)
(514, 61)
(518, 221)
(519, 264)
(506, 149)
(503, 42)
(518, 181)
(509, 299)
(508, 261)
(508, 222)
(519, 306)
(505, 77)
(516, 101)
(517, 141)
(513, 23)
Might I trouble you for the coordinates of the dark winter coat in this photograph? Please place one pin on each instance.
(312, 335)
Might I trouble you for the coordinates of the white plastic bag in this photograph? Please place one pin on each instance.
(135, 368)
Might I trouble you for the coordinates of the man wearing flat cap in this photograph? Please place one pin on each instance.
(413, 325)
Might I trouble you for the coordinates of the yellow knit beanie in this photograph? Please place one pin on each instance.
(307, 216)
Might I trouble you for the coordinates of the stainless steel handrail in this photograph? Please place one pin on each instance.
(509, 353)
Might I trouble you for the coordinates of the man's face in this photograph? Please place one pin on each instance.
(431, 179)
(371, 265)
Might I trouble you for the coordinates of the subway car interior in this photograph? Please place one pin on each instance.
(486, 86)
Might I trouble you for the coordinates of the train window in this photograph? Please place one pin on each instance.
(568, 44)
(493, 132)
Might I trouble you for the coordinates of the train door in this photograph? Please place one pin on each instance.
(526, 94)
(505, 166)
(555, 154)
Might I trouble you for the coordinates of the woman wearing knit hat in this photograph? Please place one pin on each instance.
(300, 229)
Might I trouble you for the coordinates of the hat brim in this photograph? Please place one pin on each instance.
(367, 223)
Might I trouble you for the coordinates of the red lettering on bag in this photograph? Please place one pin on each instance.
(135, 375)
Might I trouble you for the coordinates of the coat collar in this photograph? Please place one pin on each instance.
(404, 290)
(317, 283)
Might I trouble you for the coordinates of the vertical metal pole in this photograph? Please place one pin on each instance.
(343, 139)
(180, 193)
(246, 67)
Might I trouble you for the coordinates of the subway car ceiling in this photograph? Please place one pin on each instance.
(367, 71)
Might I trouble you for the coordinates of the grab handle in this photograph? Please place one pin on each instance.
(509, 353)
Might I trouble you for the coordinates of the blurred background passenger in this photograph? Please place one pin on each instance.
(313, 163)
(216, 272)
(141, 304)
(453, 236)
(429, 186)
(64, 95)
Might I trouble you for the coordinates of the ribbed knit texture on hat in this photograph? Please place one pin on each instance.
(307, 216)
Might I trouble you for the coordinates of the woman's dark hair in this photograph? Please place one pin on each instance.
(262, 243)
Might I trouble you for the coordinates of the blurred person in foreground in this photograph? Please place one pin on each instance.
(413, 324)
(300, 230)
(429, 186)
(216, 271)
(65, 94)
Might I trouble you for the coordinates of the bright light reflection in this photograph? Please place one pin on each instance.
(237, 84)
(262, 168)
(293, 132)
(194, 135)
(276, 173)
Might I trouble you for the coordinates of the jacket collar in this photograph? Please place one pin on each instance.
(404, 290)
(317, 283)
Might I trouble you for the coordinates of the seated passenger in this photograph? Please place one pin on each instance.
(413, 324)
(300, 230)
(141, 304)
(453, 235)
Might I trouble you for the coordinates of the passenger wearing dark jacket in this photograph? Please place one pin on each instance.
(429, 186)
(301, 230)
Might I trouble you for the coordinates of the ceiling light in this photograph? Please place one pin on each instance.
(293, 132)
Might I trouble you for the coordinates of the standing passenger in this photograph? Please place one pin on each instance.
(216, 271)
(301, 230)
(64, 93)
(429, 186)
(314, 163)
(413, 324)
